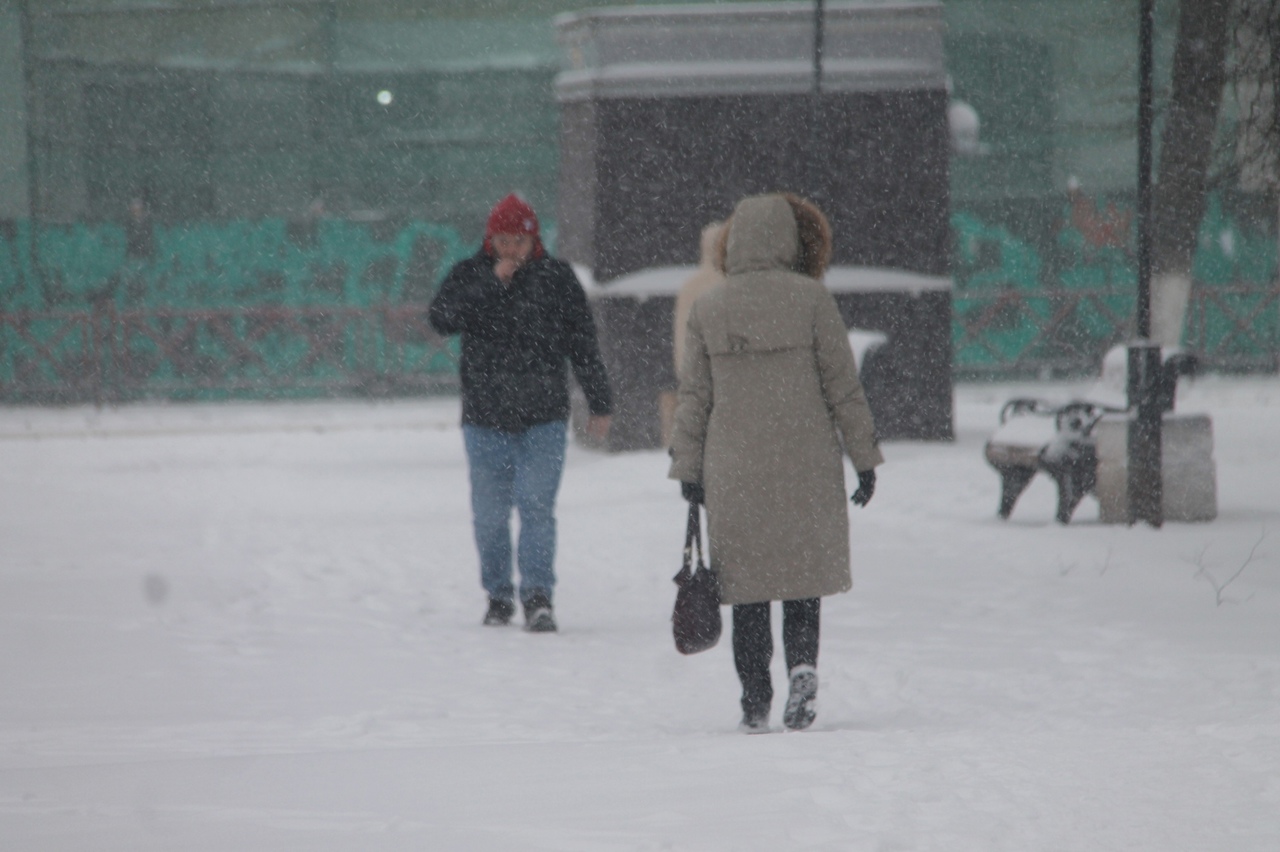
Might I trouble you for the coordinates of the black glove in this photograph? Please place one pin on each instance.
(866, 487)
(692, 491)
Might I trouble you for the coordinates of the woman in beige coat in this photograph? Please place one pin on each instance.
(769, 392)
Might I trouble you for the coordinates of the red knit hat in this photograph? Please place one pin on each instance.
(512, 215)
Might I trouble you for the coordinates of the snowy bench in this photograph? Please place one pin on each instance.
(1059, 438)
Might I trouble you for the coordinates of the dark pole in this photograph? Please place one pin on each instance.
(329, 45)
(813, 174)
(321, 88)
(1146, 486)
(26, 32)
(1145, 116)
(28, 104)
(819, 22)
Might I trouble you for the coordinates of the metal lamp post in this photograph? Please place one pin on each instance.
(1146, 484)
(26, 32)
(815, 106)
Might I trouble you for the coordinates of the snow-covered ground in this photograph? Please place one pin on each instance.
(256, 627)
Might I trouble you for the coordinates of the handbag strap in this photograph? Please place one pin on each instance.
(693, 536)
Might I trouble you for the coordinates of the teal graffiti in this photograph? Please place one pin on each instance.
(1234, 320)
(1077, 287)
(59, 282)
(991, 262)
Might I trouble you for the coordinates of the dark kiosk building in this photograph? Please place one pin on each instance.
(670, 115)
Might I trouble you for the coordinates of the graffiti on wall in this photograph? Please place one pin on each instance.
(269, 308)
(1053, 303)
(208, 311)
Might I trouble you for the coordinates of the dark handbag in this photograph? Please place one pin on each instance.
(695, 621)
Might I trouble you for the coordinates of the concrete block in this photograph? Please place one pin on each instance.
(1189, 472)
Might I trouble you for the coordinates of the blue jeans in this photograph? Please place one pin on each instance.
(518, 470)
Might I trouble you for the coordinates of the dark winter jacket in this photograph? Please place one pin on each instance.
(517, 340)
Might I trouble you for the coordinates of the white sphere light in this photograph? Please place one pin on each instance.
(385, 97)
(965, 127)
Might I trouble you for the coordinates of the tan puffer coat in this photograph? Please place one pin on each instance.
(768, 388)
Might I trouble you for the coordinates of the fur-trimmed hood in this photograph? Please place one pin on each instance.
(813, 243)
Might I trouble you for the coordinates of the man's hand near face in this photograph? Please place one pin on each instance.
(512, 250)
(505, 269)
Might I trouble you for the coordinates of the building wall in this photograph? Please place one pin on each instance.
(664, 167)
(1052, 82)
(221, 110)
(13, 116)
(256, 110)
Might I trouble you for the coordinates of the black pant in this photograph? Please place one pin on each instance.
(753, 645)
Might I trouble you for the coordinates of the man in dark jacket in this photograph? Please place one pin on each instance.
(523, 318)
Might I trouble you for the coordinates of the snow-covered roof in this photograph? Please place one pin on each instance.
(667, 280)
(749, 48)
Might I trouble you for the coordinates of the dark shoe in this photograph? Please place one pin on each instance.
(754, 721)
(799, 712)
(499, 614)
(538, 617)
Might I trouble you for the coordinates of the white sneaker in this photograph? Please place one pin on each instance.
(800, 712)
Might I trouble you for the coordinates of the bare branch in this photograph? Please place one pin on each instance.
(1199, 560)
(1219, 588)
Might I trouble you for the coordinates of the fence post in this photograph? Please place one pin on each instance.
(103, 320)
